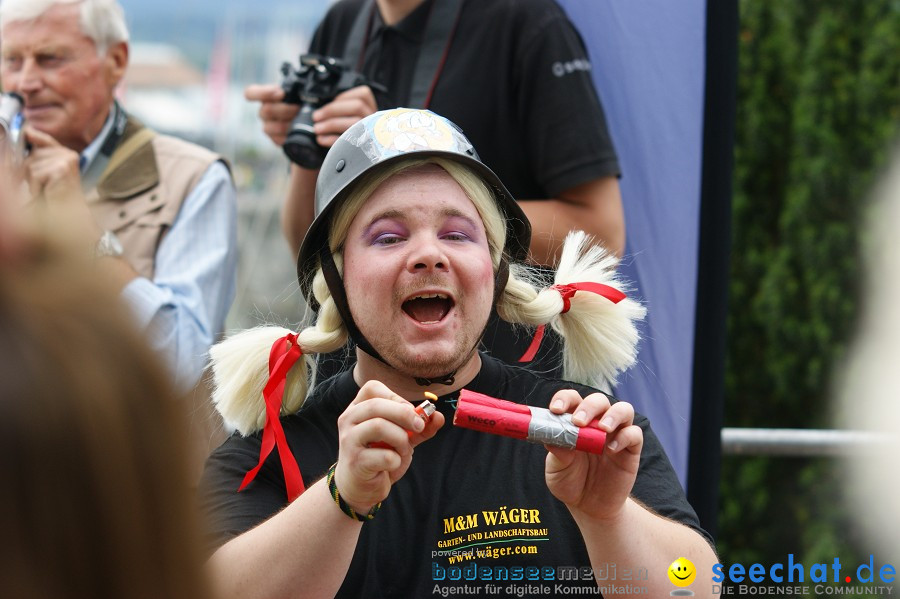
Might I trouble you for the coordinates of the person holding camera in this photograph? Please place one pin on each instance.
(514, 76)
(415, 241)
(160, 213)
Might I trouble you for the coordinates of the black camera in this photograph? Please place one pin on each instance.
(318, 80)
(12, 119)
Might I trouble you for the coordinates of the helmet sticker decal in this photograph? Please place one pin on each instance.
(404, 130)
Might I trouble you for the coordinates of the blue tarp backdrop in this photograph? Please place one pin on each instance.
(648, 62)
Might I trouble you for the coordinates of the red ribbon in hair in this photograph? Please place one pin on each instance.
(566, 292)
(285, 352)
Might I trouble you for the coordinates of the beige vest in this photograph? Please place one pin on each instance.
(142, 189)
(138, 197)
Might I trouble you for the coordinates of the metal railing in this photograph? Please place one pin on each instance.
(796, 442)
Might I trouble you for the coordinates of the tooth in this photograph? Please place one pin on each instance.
(431, 295)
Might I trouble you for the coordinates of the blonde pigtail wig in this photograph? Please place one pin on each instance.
(240, 365)
(600, 335)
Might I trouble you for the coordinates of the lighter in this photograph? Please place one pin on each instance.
(424, 409)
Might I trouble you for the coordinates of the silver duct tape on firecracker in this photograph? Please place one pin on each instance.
(552, 429)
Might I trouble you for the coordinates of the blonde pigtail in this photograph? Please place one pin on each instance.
(524, 302)
(240, 367)
(600, 335)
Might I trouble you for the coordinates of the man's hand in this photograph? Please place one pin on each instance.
(51, 169)
(596, 485)
(275, 114)
(52, 173)
(348, 107)
(330, 120)
(364, 474)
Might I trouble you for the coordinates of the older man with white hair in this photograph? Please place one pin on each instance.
(160, 212)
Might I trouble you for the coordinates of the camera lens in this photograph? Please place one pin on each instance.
(300, 145)
(302, 150)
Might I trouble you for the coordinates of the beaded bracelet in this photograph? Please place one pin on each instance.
(332, 488)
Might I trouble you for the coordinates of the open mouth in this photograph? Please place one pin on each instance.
(428, 308)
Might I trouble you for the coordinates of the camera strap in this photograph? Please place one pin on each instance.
(442, 20)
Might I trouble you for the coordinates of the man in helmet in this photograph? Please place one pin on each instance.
(415, 240)
(515, 76)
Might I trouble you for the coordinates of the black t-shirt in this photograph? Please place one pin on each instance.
(467, 498)
(517, 81)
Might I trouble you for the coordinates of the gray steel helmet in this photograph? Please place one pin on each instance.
(381, 139)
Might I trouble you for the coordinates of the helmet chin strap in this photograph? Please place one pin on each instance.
(339, 294)
(448, 379)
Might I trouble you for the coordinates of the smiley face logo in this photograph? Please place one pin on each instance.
(682, 572)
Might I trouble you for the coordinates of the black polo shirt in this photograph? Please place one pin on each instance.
(516, 80)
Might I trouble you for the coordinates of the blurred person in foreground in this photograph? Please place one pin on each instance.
(161, 212)
(869, 391)
(95, 499)
(412, 247)
(515, 76)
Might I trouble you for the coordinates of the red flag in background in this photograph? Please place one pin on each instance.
(217, 78)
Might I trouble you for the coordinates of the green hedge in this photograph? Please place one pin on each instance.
(818, 110)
